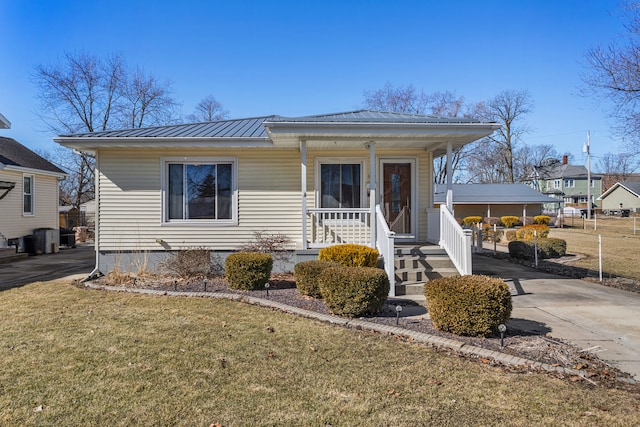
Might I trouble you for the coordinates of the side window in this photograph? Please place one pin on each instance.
(200, 191)
(27, 195)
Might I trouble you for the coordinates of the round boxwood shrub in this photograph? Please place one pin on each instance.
(509, 221)
(350, 255)
(542, 219)
(248, 270)
(354, 291)
(547, 248)
(468, 305)
(526, 232)
(307, 274)
(468, 221)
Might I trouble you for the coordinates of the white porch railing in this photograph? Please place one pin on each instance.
(385, 241)
(456, 241)
(336, 226)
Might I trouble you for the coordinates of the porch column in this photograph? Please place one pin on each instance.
(303, 190)
(372, 191)
(524, 214)
(449, 178)
(488, 210)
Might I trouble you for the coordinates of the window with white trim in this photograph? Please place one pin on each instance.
(200, 190)
(557, 183)
(569, 183)
(341, 185)
(27, 195)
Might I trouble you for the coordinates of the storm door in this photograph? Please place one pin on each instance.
(397, 196)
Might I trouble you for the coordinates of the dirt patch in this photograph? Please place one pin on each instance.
(537, 347)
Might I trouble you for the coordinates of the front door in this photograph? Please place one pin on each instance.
(397, 196)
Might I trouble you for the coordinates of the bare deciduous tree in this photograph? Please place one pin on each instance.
(613, 75)
(407, 99)
(507, 109)
(208, 110)
(83, 93)
(617, 167)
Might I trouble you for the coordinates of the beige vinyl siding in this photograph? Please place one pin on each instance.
(269, 197)
(130, 204)
(13, 223)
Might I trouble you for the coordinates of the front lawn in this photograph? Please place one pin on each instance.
(72, 356)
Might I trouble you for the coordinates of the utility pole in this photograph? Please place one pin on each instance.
(587, 149)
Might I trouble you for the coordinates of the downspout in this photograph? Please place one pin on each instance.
(96, 196)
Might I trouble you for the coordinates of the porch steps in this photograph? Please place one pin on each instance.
(8, 255)
(415, 265)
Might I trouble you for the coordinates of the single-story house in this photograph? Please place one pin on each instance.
(320, 180)
(28, 194)
(493, 200)
(621, 195)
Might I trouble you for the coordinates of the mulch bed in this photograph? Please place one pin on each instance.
(541, 348)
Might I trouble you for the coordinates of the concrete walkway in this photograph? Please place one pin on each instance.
(604, 320)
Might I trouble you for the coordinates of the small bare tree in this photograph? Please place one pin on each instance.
(208, 110)
(274, 244)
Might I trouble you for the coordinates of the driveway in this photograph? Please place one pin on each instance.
(72, 261)
(604, 320)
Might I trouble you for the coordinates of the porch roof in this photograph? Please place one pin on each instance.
(492, 194)
(336, 130)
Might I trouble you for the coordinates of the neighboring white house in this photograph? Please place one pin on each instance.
(621, 195)
(28, 192)
(316, 179)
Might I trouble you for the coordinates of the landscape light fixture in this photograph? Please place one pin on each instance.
(266, 287)
(502, 328)
(398, 311)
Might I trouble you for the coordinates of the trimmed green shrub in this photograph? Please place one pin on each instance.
(248, 270)
(468, 305)
(468, 221)
(547, 248)
(509, 221)
(542, 219)
(307, 274)
(526, 231)
(350, 255)
(354, 291)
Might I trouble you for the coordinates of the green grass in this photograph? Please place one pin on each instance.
(98, 358)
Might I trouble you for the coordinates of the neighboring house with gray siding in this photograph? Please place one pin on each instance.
(320, 180)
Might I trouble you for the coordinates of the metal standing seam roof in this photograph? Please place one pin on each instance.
(238, 128)
(254, 128)
(492, 194)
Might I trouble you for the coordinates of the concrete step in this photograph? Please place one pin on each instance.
(410, 288)
(419, 250)
(422, 262)
(415, 275)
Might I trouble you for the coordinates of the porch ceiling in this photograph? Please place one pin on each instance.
(428, 136)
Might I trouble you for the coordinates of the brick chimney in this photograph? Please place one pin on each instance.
(565, 159)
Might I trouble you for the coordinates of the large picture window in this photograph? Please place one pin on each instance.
(27, 195)
(200, 191)
(340, 185)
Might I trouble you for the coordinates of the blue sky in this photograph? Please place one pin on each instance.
(300, 58)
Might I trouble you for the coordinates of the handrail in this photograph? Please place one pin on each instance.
(385, 241)
(456, 241)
